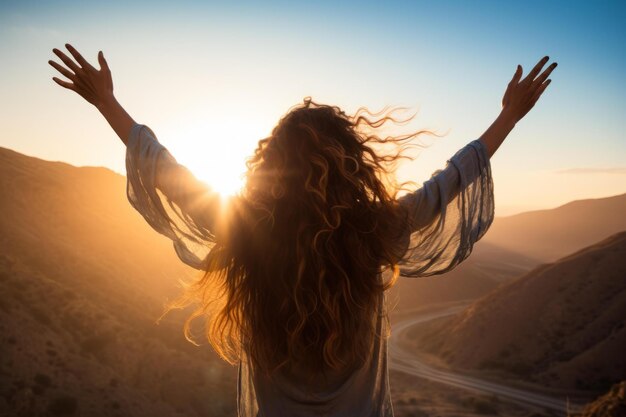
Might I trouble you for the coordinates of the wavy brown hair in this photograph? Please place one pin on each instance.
(295, 276)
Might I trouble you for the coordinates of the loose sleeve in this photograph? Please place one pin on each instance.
(448, 214)
(169, 197)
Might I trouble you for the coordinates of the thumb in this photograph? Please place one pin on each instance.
(517, 75)
(103, 62)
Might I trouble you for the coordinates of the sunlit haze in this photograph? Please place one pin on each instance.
(211, 79)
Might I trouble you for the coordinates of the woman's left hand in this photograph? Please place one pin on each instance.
(94, 85)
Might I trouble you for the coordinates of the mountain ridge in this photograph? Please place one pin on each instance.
(549, 234)
(562, 324)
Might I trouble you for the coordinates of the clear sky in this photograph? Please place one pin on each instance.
(212, 78)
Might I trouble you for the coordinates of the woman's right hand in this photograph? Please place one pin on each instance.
(520, 97)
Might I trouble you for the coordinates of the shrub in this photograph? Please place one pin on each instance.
(64, 405)
(484, 407)
(43, 380)
(480, 405)
(95, 344)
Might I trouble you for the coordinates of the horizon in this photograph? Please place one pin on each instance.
(251, 68)
(497, 215)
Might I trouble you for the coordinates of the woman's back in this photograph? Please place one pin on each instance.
(353, 391)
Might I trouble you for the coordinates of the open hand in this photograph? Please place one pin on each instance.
(520, 97)
(95, 86)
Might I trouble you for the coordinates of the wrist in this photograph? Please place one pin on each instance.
(106, 103)
(508, 118)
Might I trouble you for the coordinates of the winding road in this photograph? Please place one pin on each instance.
(403, 360)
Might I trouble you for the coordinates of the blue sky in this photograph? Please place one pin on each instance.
(213, 78)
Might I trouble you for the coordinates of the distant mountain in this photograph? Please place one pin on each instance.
(562, 324)
(486, 268)
(83, 279)
(512, 246)
(547, 235)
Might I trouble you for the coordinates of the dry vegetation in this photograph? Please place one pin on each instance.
(611, 404)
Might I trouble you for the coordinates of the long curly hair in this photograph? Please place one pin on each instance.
(296, 275)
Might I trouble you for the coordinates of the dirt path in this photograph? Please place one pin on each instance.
(404, 360)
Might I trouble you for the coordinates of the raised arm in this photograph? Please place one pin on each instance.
(455, 207)
(96, 87)
(183, 208)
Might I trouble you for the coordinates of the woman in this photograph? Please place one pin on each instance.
(295, 268)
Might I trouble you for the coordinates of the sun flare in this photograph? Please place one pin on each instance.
(217, 158)
(224, 176)
(222, 172)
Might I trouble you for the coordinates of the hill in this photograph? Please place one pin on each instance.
(562, 324)
(83, 279)
(547, 235)
(514, 245)
(486, 268)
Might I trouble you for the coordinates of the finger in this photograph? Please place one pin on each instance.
(67, 61)
(540, 91)
(84, 94)
(78, 57)
(517, 75)
(544, 75)
(514, 81)
(65, 84)
(63, 70)
(533, 73)
(78, 83)
(104, 65)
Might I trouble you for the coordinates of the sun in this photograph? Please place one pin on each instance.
(215, 154)
(214, 140)
(225, 176)
(222, 167)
